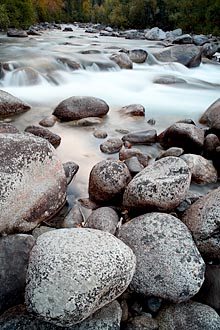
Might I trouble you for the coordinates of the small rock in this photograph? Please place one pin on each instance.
(45, 133)
(147, 137)
(48, 121)
(100, 134)
(70, 169)
(122, 60)
(111, 146)
(133, 110)
(103, 218)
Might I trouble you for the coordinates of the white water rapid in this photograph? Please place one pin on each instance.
(51, 81)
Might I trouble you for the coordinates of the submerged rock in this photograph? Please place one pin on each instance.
(11, 105)
(154, 238)
(133, 110)
(161, 185)
(111, 146)
(33, 183)
(74, 272)
(78, 107)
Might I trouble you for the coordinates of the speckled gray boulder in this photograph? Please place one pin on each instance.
(14, 255)
(111, 146)
(11, 105)
(202, 169)
(78, 107)
(32, 182)
(169, 265)
(203, 220)
(104, 218)
(74, 272)
(161, 185)
(108, 180)
(106, 318)
(190, 315)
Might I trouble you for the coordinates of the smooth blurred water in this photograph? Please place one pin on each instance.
(56, 82)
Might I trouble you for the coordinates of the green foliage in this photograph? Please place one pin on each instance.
(4, 19)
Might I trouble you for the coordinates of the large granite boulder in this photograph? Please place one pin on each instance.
(155, 34)
(190, 315)
(107, 181)
(74, 272)
(32, 182)
(169, 264)
(161, 185)
(211, 117)
(11, 105)
(202, 219)
(188, 55)
(78, 107)
(14, 255)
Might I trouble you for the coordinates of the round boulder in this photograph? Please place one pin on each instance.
(202, 219)
(108, 180)
(161, 185)
(32, 182)
(11, 105)
(103, 218)
(169, 265)
(74, 272)
(122, 60)
(211, 117)
(78, 107)
(111, 146)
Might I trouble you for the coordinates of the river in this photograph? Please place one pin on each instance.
(56, 82)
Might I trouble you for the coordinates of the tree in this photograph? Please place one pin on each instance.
(4, 19)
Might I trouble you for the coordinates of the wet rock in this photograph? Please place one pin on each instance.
(100, 134)
(106, 318)
(190, 315)
(107, 181)
(134, 165)
(203, 170)
(138, 55)
(161, 185)
(103, 218)
(8, 128)
(154, 237)
(211, 142)
(74, 272)
(122, 60)
(48, 121)
(73, 65)
(70, 169)
(200, 39)
(141, 137)
(89, 121)
(11, 105)
(202, 219)
(111, 146)
(142, 322)
(78, 107)
(67, 29)
(209, 292)
(17, 33)
(169, 80)
(188, 55)
(14, 255)
(133, 152)
(183, 39)
(133, 110)
(208, 50)
(155, 34)
(173, 151)
(32, 32)
(181, 135)
(45, 133)
(175, 33)
(33, 183)
(211, 117)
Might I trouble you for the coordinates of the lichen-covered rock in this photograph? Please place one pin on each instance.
(32, 182)
(14, 255)
(74, 272)
(45, 133)
(203, 170)
(183, 135)
(202, 219)
(78, 107)
(161, 185)
(104, 218)
(108, 180)
(169, 265)
(11, 105)
(190, 315)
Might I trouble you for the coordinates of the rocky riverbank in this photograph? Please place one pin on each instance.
(141, 251)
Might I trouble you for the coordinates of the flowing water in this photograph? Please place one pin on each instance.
(52, 81)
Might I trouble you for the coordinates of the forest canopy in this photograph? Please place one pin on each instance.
(198, 16)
